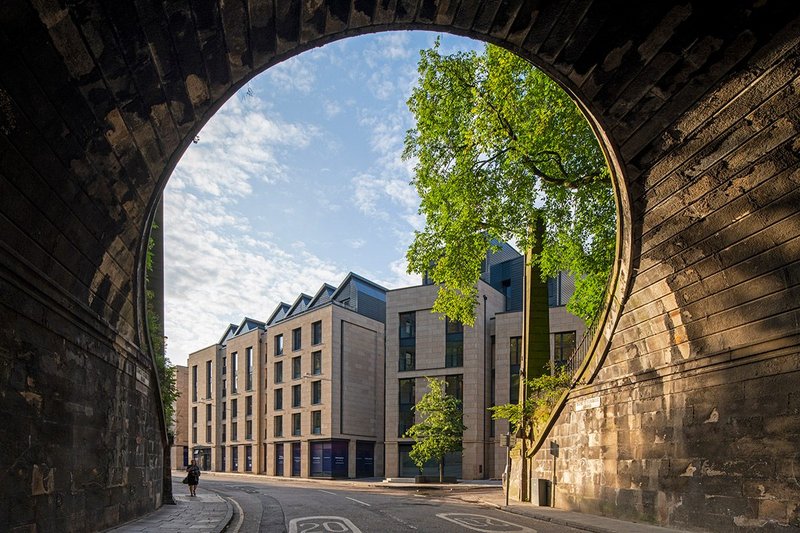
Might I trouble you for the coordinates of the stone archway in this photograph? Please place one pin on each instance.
(696, 102)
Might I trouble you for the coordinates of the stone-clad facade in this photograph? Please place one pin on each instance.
(179, 454)
(695, 104)
(224, 400)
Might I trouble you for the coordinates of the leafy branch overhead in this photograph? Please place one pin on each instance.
(496, 145)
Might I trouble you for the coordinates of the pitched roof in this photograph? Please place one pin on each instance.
(363, 283)
(279, 313)
(229, 332)
(249, 324)
(299, 305)
(322, 296)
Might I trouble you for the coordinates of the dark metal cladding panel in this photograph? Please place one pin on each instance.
(371, 307)
(262, 31)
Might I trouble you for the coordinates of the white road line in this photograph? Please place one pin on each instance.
(328, 492)
(358, 501)
(241, 516)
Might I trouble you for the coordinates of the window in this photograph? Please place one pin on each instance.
(208, 433)
(248, 458)
(454, 344)
(408, 341)
(515, 356)
(406, 406)
(234, 371)
(234, 432)
(316, 422)
(224, 365)
(235, 458)
(208, 412)
(563, 346)
(296, 419)
(194, 434)
(248, 430)
(278, 344)
(224, 387)
(492, 382)
(194, 415)
(234, 408)
(208, 379)
(278, 399)
(224, 410)
(316, 363)
(279, 372)
(296, 395)
(248, 406)
(277, 426)
(224, 432)
(194, 383)
(296, 339)
(296, 368)
(316, 392)
(249, 368)
(316, 332)
(455, 386)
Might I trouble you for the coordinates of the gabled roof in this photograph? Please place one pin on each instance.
(279, 313)
(323, 295)
(362, 283)
(229, 332)
(299, 305)
(249, 324)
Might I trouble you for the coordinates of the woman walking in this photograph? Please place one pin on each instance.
(193, 477)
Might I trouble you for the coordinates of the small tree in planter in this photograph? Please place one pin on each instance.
(441, 429)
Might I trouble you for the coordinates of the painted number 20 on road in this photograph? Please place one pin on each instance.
(322, 524)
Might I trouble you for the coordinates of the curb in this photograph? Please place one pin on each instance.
(225, 522)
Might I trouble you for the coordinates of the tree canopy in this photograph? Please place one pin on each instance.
(496, 145)
(441, 428)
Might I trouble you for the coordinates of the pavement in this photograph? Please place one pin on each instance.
(210, 512)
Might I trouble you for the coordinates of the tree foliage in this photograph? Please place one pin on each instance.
(544, 391)
(164, 368)
(497, 144)
(441, 428)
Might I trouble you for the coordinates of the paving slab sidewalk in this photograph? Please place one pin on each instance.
(208, 512)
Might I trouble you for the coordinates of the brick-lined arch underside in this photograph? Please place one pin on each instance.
(691, 421)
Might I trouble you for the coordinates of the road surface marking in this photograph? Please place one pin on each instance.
(328, 492)
(483, 523)
(241, 516)
(322, 524)
(358, 501)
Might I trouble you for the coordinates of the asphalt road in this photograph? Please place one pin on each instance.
(286, 506)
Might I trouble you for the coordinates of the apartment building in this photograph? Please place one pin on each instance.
(480, 364)
(225, 400)
(323, 395)
(179, 425)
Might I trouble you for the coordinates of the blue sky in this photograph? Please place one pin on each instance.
(297, 180)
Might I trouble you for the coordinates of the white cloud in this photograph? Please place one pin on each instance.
(331, 108)
(355, 243)
(294, 74)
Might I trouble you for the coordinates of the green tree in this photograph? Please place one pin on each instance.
(441, 428)
(164, 368)
(543, 393)
(498, 144)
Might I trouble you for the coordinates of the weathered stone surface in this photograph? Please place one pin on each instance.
(697, 105)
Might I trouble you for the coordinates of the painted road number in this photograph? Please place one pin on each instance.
(483, 523)
(322, 524)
